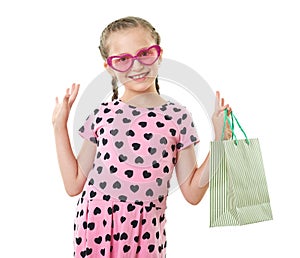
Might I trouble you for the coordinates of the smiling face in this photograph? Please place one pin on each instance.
(139, 78)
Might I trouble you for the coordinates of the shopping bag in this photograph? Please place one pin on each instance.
(238, 186)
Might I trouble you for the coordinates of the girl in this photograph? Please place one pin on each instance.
(132, 144)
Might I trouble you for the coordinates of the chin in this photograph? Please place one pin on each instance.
(141, 86)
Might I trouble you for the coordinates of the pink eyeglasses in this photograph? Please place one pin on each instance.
(146, 56)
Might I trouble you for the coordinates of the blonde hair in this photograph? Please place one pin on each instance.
(122, 24)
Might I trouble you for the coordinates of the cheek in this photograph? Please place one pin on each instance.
(154, 70)
(121, 77)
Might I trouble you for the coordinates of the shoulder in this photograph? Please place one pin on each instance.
(177, 104)
(181, 115)
(178, 109)
(105, 107)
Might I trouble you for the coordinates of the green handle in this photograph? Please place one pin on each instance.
(231, 124)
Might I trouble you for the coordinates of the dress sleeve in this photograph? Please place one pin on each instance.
(88, 129)
(187, 132)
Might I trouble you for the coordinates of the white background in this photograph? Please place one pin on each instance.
(249, 50)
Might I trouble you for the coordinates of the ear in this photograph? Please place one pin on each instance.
(160, 56)
(108, 68)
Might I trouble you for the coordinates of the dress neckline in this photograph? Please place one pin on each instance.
(167, 102)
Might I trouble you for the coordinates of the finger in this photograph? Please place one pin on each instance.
(67, 96)
(75, 88)
(225, 107)
(67, 91)
(221, 109)
(217, 100)
(222, 102)
(74, 93)
(56, 100)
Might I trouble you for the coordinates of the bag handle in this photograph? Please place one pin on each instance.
(231, 124)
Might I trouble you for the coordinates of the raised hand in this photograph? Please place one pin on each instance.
(218, 118)
(62, 109)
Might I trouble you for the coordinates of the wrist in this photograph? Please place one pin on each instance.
(217, 136)
(60, 126)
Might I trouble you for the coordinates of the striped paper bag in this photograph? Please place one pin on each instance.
(238, 186)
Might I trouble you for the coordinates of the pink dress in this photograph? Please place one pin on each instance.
(121, 211)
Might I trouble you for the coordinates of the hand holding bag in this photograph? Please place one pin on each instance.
(238, 186)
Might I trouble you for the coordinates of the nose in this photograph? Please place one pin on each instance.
(136, 66)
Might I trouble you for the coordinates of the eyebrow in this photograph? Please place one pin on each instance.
(135, 51)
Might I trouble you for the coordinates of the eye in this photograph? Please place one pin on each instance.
(148, 52)
(121, 59)
(144, 53)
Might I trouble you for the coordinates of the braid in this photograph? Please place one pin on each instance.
(157, 85)
(114, 83)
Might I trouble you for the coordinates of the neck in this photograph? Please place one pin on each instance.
(149, 99)
(136, 95)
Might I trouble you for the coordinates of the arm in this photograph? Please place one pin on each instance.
(194, 180)
(73, 171)
(73, 175)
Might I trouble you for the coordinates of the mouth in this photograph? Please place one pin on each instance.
(138, 77)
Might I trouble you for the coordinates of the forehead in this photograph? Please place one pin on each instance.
(129, 41)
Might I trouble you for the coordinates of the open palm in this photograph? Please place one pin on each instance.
(62, 109)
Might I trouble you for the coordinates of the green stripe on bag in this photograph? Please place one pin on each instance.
(238, 186)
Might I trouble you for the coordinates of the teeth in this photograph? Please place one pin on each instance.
(138, 76)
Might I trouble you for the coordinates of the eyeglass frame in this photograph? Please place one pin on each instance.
(133, 58)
